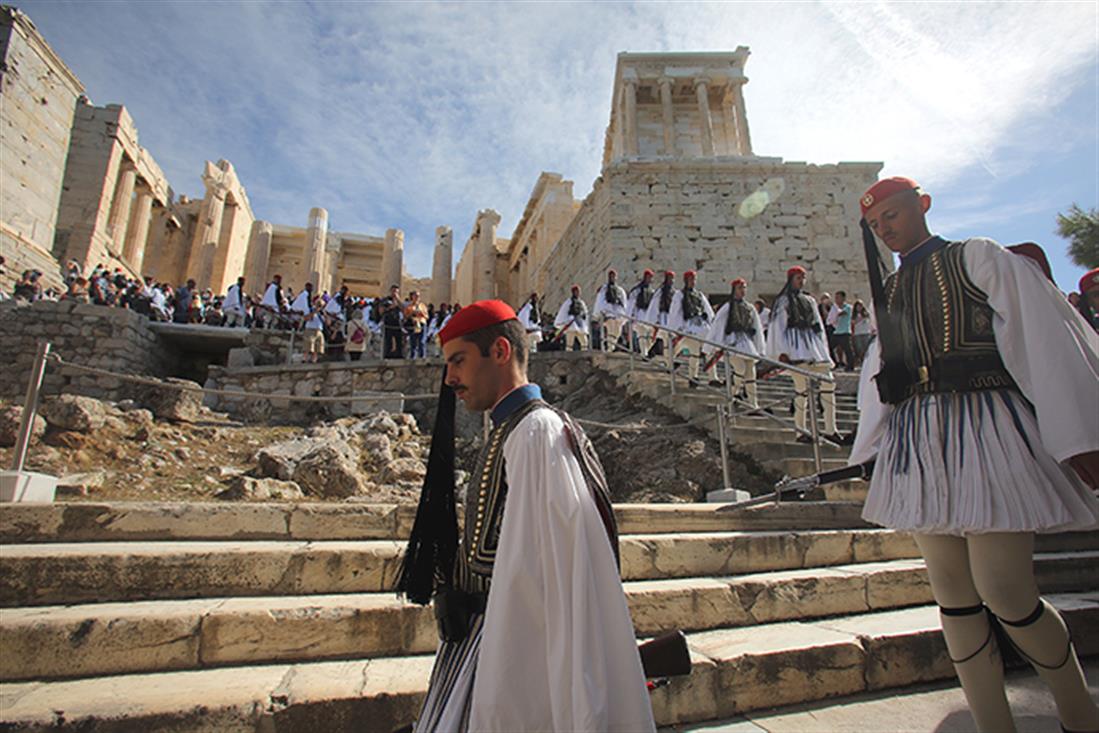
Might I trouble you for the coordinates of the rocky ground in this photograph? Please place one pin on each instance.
(167, 446)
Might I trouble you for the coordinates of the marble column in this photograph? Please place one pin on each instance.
(259, 256)
(728, 122)
(393, 261)
(441, 265)
(668, 115)
(200, 265)
(702, 90)
(316, 237)
(484, 274)
(137, 233)
(629, 89)
(119, 218)
(744, 140)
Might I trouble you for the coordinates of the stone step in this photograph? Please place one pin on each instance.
(52, 574)
(734, 670)
(159, 521)
(115, 638)
(798, 467)
(853, 491)
(776, 451)
(48, 574)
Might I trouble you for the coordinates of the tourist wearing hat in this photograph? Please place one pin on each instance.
(535, 633)
(638, 300)
(796, 336)
(979, 401)
(611, 309)
(572, 320)
(660, 310)
(530, 315)
(738, 327)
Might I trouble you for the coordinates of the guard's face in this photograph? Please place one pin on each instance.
(797, 281)
(689, 281)
(470, 375)
(739, 291)
(647, 279)
(899, 220)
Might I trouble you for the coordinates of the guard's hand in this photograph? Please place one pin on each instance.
(784, 358)
(1086, 466)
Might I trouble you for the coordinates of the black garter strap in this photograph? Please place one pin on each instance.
(959, 611)
(1032, 618)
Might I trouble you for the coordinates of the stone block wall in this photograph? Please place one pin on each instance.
(40, 95)
(108, 338)
(557, 373)
(683, 215)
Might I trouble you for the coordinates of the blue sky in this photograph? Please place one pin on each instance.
(417, 114)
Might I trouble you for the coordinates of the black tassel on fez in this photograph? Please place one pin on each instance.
(433, 544)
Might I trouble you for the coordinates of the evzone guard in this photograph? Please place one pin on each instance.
(535, 631)
(660, 309)
(979, 404)
(737, 326)
(692, 314)
(573, 320)
(796, 336)
(611, 309)
(530, 315)
(638, 299)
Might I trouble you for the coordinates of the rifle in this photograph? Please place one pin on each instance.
(799, 487)
(557, 336)
(713, 360)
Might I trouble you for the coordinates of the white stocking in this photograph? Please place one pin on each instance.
(968, 634)
(1003, 572)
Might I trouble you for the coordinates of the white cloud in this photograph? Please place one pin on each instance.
(418, 114)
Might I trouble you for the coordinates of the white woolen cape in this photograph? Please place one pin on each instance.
(558, 650)
(738, 340)
(800, 345)
(699, 325)
(605, 309)
(579, 325)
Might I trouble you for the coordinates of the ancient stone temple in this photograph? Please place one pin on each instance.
(682, 188)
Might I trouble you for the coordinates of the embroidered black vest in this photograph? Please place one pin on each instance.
(577, 309)
(799, 311)
(644, 295)
(944, 325)
(612, 294)
(692, 305)
(740, 318)
(487, 494)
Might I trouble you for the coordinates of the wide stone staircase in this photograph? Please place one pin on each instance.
(278, 617)
(767, 440)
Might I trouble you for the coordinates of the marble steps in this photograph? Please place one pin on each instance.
(67, 573)
(734, 670)
(72, 522)
(120, 638)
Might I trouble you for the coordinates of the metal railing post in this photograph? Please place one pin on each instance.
(629, 338)
(669, 353)
(813, 429)
(30, 406)
(724, 447)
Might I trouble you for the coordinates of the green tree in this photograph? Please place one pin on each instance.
(1081, 228)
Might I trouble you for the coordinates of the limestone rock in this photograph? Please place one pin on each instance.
(330, 472)
(65, 439)
(10, 419)
(378, 448)
(280, 460)
(384, 424)
(404, 469)
(74, 412)
(261, 489)
(80, 484)
(167, 403)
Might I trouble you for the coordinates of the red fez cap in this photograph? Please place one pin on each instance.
(885, 188)
(474, 317)
(574, 287)
(669, 273)
(794, 270)
(688, 273)
(612, 271)
(739, 281)
(1089, 281)
(647, 273)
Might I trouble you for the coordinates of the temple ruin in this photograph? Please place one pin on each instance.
(681, 188)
